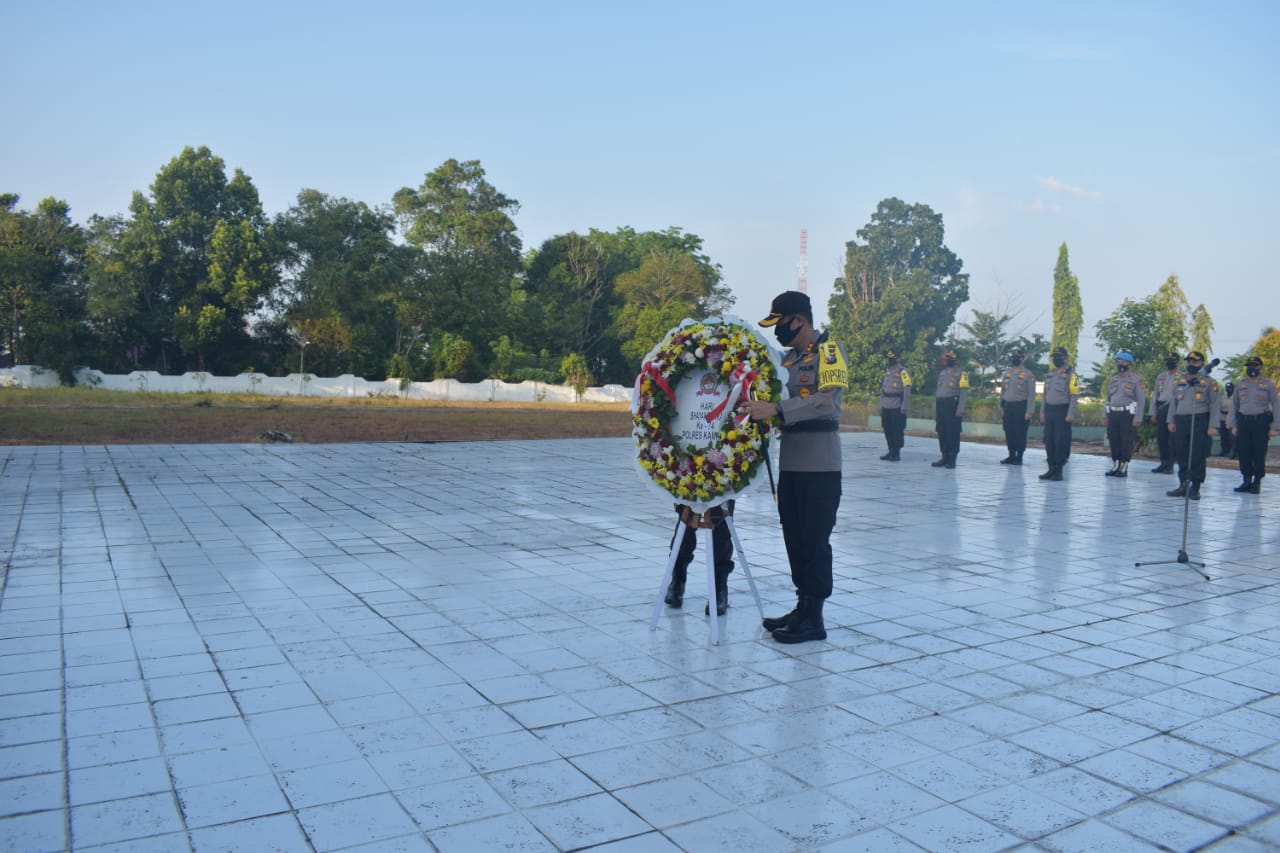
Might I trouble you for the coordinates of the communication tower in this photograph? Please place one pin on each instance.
(802, 280)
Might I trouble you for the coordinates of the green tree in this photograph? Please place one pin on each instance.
(1145, 330)
(1174, 307)
(42, 288)
(900, 290)
(667, 287)
(1267, 348)
(198, 256)
(572, 302)
(452, 356)
(345, 282)
(463, 225)
(576, 373)
(1068, 313)
(1201, 329)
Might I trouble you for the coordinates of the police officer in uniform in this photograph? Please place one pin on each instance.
(950, 399)
(1018, 404)
(1125, 399)
(1058, 411)
(808, 460)
(1225, 438)
(1254, 418)
(721, 547)
(895, 397)
(1192, 415)
(1159, 412)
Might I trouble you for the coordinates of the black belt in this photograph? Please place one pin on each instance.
(812, 426)
(890, 395)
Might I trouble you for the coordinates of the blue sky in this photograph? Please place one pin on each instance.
(1144, 135)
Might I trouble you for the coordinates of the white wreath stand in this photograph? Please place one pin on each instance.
(705, 522)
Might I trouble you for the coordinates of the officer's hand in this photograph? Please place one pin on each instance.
(1273, 432)
(1173, 427)
(1028, 418)
(759, 410)
(1213, 431)
(1042, 420)
(1069, 419)
(1105, 420)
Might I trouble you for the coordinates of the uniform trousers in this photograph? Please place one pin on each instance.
(1121, 434)
(1251, 444)
(721, 546)
(894, 423)
(1164, 439)
(1015, 426)
(1225, 438)
(947, 423)
(807, 504)
(1192, 448)
(1057, 433)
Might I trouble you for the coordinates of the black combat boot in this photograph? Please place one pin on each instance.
(1123, 470)
(1245, 487)
(1256, 487)
(1195, 491)
(1056, 476)
(950, 461)
(941, 463)
(773, 623)
(1180, 492)
(806, 625)
(1008, 460)
(1017, 458)
(888, 457)
(722, 595)
(1048, 475)
(1115, 468)
(675, 589)
(896, 455)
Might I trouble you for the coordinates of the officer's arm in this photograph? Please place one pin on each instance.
(1142, 400)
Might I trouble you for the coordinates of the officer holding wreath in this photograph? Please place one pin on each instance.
(809, 459)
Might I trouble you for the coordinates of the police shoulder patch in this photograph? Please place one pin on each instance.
(833, 372)
(964, 380)
(1073, 386)
(906, 378)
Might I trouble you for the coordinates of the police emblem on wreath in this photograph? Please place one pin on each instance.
(690, 441)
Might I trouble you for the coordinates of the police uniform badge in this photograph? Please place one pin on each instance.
(832, 370)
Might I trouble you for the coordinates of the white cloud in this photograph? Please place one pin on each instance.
(1070, 189)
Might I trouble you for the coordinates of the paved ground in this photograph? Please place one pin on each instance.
(417, 647)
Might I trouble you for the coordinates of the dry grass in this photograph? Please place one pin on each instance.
(90, 416)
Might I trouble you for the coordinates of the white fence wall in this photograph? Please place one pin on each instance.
(297, 385)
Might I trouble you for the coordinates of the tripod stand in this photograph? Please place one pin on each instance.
(1187, 488)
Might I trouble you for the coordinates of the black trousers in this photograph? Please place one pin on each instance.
(1192, 447)
(1225, 438)
(1057, 433)
(1164, 439)
(1121, 434)
(721, 547)
(947, 423)
(807, 505)
(894, 423)
(1251, 444)
(1015, 427)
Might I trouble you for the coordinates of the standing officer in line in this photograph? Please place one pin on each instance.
(950, 399)
(1125, 399)
(809, 478)
(1254, 418)
(1195, 399)
(895, 397)
(1057, 411)
(1225, 442)
(1018, 402)
(1159, 412)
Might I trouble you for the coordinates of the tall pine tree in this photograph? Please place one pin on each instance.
(1068, 315)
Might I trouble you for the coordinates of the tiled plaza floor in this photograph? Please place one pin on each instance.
(445, 647)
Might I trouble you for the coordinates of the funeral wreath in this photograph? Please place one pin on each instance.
(716, 460)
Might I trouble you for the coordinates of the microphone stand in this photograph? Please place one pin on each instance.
(1186, 488)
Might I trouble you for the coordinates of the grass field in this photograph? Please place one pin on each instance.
(91, 416)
